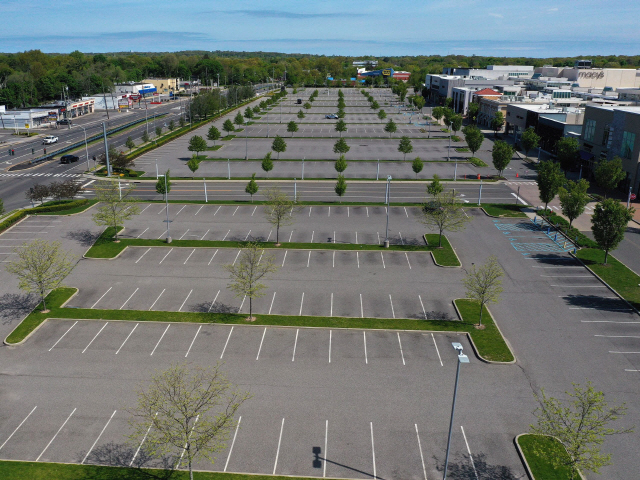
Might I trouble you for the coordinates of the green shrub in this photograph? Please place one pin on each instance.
(11, 219)
(477, 162)
(455, 138)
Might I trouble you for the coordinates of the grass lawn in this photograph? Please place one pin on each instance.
(477, 162)
(215, 147)
(105, 247)
(504, 210)
(618, 276)
(228, 137)
(540, 466)
(489, 341)
(462, 149)
(71, 211)
(58, 471)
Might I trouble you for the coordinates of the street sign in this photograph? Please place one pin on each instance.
(632, 196)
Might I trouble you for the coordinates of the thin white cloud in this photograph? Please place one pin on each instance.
(554, 9)
(497, 15)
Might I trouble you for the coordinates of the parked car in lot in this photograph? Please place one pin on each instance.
(299, 101)
(49, 139)
(69, 159)
(332, 116)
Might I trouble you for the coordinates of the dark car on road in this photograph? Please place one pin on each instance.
(64, 121)
(69, 159)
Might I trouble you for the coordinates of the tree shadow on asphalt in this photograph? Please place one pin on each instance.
(464, 468)
(559, 260)
(432, 315)
(14, 306)
(217, 307)
(145, 466)
(596, 302)
(85, 237)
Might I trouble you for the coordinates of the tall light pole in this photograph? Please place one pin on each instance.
(246, 145)
(86, 151)
(386, 237)
(462, 358)
(166, 198)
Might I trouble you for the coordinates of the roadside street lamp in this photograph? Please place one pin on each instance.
(386, 237)
(246, 145)
(166, 198)
(462, 358)
(86, 151)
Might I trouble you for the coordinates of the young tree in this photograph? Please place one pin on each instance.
(301, 114)
(307, 105)
(292, 127)
(40, 266)
(163, 185)
(608, 224)
(279, 145)
(193, 164)
(417, 164)
(187, 413)
(341, 147)
(501, 154)
(145, 137)
(581, 423)
(340, 186)
(248, 113)
(390, 127)
(197, 144)
(573, 199)
(609, 173)
(550, 179)
(435, 188)
(341, 113)
(444, 213)
(374, 105)
(238, 119)
(256, 110)
(530, 140)
(405, 147)
(382, 115)
(567, 152)
(213, 134)
(474, 138)
(419, 102)
(341, 164)
(38, 193)
(267, 163)
(116, 205)
(228, 127)
(252, 187)
(437, 113)
(129, 143)
(456, 123)
(158, 131)
(484, 284)
(472, 112)
(341, 126)
(172, 125)
(497, 122)
(117, 159)
(279, 209)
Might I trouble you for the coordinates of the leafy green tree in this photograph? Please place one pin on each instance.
(448, 103)
(473, 111)
(341, 113)
(405, 146)
(375, 105)
(1, 206)
(193, 164)
(581, 423)
(391, 127)
(163, 185)
(608, 224)
(340, 186)
(197, 144)
(279, 209)
(292, 127)
(435, 188)
(567, 152)
(573, 199)
(341, 126)
(182, 122)
(213, 134)
(228, 127)
(129, 143)
(443, 213)
(501, 154)
(252, 187)
(248, 113)
(437, 113)
(256, 110)
(238, 119)
(417, 165)
(497, 122)
(279, 145)
(418, 101)
(341, 164)
(116, 205)
(267, 163)
(263, 105)
(145, 137)
(474, 138)
(158, 131)
(307, 106)
(530, 140)
(609, 173)
(382, 115)
(301, 114)
(341, 146)
(172, 126)
(484, 284)
(456, 123)
(448, 117)
(550, 179)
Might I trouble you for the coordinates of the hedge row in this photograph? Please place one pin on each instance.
(572, 233)
(11, 219)
(52, 207)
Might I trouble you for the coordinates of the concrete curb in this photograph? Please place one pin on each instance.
(527, 468)
(433, 257)
(84, 255)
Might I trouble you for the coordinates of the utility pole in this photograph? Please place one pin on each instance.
(106, 148)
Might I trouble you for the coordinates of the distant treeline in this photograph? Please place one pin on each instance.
(32, 77)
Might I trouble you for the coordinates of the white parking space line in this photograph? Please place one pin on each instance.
(309, 259)
(356, 237)
(214, 214)
(405, 212)
(275, 464)
(331, 310)
(272, 299)
(366, 358)
(312, 233)
(598, 308)
(242, 303)
(254, 210)
(326, 434)
(214, 254)
(603, 321)
(125, 340)
(473, 465)
(245, 238)
(214, 301)
(295, 344)
(93, 306)
(185, 300)
(101, 432)
(401, 352)
(367, 211)
(358, 258)
(361, 309)
(561, 266)
(224, 238)
(18, 427)
(161, 235)
(165, 256)
(147, 251)
(422, 305)
(261, 342)
(382, 256)
(437, 350)
(617, 336)
(180, 210)
(199, 210)
(285, 257)
(141, 443)
(612, 351)
(401, 239)
(63, 335)
(392, 311)
(153, 304)
(163, 209)
(329, 214)
(373, 452)
(54, 437)
(301, 302)
(95, 336)
(407, 256)
(236, 259)
(334, 259)
(579, 286)
(233, 442)
(161, 337)
(568, 276)
(130, 297)
(424, 468)
(330, 335)
(192, 252)
(234, 212)
(226, 343)
(310, 210)
(184, 234)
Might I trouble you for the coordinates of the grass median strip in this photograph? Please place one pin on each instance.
(489, 341)
(538, 449)
(616, 274)
(504, 210)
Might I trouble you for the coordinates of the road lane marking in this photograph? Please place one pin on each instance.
(312, 233)
(237, 255)
(301, 302)
(330, 335)
(234, 212)
(272, 299)
(143, 439)
(331, 311)
(326, 434)
(161, 337)
(205, 234)
(242, 303)
(214, 254)
(224, 238)
(245, 238)
(214, 301)
(180, 210)
(407, 256)
(309, 259)
(184, 234)
(125, 340)
(63, 335)
(285, 257)
(382, 256)
(199, 210)
(422, 305)
(361, 309)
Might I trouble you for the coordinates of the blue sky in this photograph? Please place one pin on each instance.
(536, 28)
